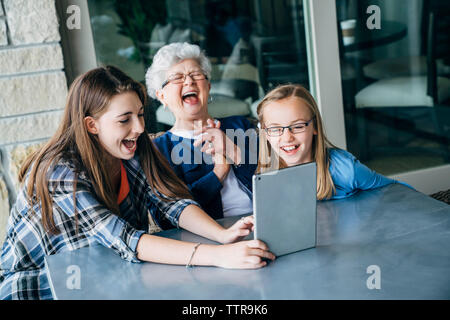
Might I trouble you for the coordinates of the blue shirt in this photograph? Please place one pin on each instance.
(349, 175)
(195, 168)
(22, 269)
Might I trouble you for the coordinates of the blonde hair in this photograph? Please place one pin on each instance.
(269, 160)
(90, 95)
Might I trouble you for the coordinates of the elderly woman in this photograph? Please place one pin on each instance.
(219, 172)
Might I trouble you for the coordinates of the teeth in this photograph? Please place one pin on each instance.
(189, 93)
(134, 139)
(288, 148)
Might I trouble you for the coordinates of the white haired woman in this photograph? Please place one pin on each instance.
(218, 173)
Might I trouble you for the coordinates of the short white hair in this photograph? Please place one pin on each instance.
(170, 55)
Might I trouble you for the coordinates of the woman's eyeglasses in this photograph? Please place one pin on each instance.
(179, 78)
(295, 128)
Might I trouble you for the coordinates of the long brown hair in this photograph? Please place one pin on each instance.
(269, 160)
(90, 95)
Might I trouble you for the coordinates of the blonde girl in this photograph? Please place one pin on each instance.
(100, 180)
(292, 133)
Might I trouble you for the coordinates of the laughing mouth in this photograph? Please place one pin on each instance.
(290, 148)
(190, 97)
(189, 94)
(130, 144)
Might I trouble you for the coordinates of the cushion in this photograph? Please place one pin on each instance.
(253, 108)
(243, 71)
(163, 115)
(160, 35)
(396, 67)
(401, 92)
(180, 35)
(235, 88)
(224, 106)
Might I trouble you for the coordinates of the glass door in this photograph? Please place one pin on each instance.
(395, 79)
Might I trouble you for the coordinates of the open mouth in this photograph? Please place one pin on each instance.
(291, 149)
(130, 144)
(190, 97)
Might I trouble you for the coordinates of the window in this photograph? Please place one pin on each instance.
(396, 82)
(252, 45)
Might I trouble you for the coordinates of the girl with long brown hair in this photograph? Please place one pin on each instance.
(99, 179)
(292, 133)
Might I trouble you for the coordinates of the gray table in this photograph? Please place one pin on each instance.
(403, 232)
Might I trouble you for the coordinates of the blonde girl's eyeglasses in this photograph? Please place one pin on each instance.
(277, 131)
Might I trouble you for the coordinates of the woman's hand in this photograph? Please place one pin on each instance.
(239, 230)
(222, 149)
(243, 255)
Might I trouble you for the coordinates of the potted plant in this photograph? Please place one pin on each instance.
(138, 18)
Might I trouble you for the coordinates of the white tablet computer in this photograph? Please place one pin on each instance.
(284, 206)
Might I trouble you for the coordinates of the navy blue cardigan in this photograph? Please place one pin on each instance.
(196, 169)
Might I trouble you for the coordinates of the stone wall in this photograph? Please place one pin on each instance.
(33, 86)
(4, 206)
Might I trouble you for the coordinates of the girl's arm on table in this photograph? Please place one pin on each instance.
(244, 254)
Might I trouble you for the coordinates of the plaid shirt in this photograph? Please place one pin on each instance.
(23, 274)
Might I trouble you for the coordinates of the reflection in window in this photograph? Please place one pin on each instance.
(253, 45)
(396, 83)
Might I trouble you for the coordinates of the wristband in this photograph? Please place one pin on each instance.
(189, 265)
